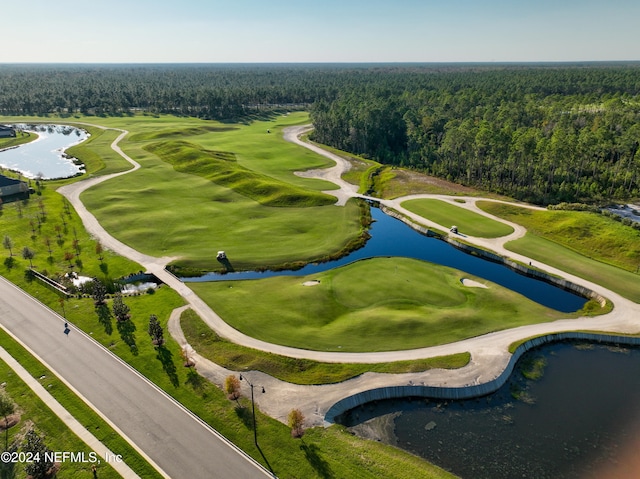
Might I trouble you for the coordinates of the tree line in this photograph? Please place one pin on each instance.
(544, 133)
(540, 134)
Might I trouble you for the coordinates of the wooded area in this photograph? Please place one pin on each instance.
(544, 133)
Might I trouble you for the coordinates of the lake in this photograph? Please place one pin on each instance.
(45, 156)
(392, 237)
(580, 420)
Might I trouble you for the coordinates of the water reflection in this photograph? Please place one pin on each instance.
(580, 420)
(45, 158)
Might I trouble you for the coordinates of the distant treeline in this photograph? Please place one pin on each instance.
(545, 133)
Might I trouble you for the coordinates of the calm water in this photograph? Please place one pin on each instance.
(392, 237)
(581, 420)
(45, 155)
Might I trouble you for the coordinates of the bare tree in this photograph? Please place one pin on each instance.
(7, 408)
(99, 251)
(8, 244)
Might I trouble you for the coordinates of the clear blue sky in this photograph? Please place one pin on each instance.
(98, 31)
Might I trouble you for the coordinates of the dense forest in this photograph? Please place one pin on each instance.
(545, 133)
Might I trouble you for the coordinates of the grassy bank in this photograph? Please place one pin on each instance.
(585, 244)
(20, 139)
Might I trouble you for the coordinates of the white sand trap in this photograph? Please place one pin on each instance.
(311, 283)
(472, 284)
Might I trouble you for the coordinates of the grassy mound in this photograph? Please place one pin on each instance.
(221, 168)
(593, 235)
(381, 304)
(167, 133)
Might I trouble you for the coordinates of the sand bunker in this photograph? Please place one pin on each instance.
(472, 284)
(311, 283)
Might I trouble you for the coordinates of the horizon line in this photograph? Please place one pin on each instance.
(466, 62)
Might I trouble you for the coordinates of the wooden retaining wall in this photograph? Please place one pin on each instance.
(51, 284)
(468, 392)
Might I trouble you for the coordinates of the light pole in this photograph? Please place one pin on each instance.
(253, 409)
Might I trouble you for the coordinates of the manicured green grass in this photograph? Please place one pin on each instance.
(222, 168)
(297, 371)
(379, 304)
(546, 251)
(587, 245)
(199, 217)
(57, 436)
(96, 152)
(332, 451)
(593, 235)
(468, 222)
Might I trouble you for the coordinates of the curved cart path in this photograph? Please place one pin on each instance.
(489, 353)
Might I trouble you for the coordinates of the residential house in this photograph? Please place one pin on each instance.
(7, 132)
(12, 189)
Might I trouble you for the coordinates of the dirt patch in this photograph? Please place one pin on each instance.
(411, 182)
(11, 421)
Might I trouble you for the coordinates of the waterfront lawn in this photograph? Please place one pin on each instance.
(585, 244)
(468, 222)
(380, 304)
(51, 229)
(96, 152)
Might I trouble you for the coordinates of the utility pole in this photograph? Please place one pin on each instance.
(253, 409)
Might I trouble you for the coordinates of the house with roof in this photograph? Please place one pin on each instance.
(7, 132)
(12, 189)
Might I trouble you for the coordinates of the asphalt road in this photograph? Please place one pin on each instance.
(177, 441)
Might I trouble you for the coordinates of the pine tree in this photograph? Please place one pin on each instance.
(120, 310)
(155, 331)
(99, 292)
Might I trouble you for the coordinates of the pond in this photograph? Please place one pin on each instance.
(580, 420)
(45, 157)
(392, 237)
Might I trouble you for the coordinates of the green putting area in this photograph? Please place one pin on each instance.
(380, 304)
